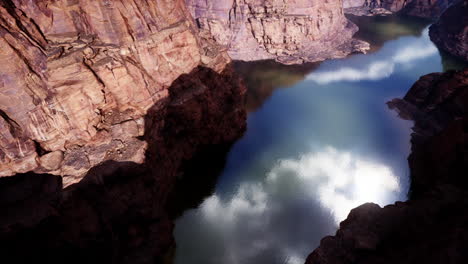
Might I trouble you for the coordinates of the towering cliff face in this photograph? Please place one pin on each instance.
(115, 96)
(77, 78)
(288, 31)
(432, 226)
(119, 212)
(419, 8)
(450, 33)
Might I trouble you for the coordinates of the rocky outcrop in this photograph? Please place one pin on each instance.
(418, 8)
(430, 230)
(438, 103)
(450, 33)
(122, 212)
(432, 226)
(288, 31)
(78, 77)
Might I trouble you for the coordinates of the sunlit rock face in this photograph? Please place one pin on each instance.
(288, 31)
(419, 8)
(432, 225)
(77, 77)
(450, 33)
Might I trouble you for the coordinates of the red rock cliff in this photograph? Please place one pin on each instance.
(290, 31)
(77, 77)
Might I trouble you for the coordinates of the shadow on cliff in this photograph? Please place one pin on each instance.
(123, 212)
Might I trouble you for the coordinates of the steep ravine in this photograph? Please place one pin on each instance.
(76, 75)
(104, 103)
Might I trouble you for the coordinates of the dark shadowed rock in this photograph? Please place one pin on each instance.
(450, 33)
(122, 212)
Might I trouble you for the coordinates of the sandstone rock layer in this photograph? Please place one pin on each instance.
(288, 31)
(77, 78)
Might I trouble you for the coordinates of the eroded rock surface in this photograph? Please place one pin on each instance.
(432, 226)
(78, 77)
(450, 33)
(288, 31)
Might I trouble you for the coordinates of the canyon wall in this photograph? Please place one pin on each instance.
(122, 212)
(432, 226)
(418, 8)
(450, 32)
(78, 77)
(102, 105)
(289, 31)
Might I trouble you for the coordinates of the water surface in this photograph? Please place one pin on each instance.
(320, 141)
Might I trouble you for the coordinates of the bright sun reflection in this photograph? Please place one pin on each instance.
(338, 180)
(341, 181)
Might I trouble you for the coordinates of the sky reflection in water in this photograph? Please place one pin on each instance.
(312, 152)
(377, 69)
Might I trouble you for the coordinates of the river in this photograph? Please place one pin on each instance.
(320, 141)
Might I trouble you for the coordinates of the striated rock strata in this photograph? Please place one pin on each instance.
(288, 31)
(78, 77)
(102, 105)
(450, 33)
(432, 226)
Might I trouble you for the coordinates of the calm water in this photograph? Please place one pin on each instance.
(320, 141)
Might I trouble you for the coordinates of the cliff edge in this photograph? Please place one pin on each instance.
(290, 32)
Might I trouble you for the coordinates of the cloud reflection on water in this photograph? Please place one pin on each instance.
(341, 181)
(380, 69)
(252, 219)
(274, 211)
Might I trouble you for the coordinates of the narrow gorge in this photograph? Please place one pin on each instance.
(234, 131)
